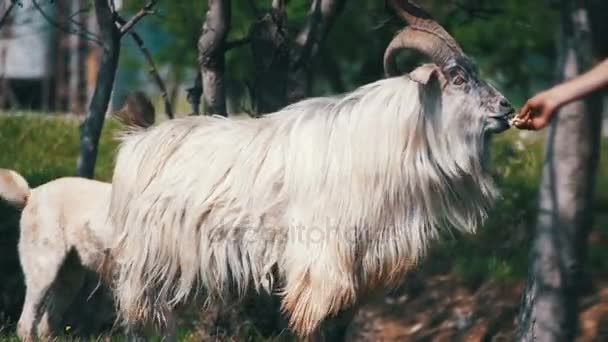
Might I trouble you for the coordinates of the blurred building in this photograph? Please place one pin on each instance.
(44, 66)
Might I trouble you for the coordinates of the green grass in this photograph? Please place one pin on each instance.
(42, 148)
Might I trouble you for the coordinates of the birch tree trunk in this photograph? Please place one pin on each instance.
(211, 46)
(549, 308)
(90, 130)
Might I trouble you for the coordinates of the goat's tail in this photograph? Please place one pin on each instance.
(14, 188)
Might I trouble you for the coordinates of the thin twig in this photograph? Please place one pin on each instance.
(237, 43)
(480, 12)
(66, 28)
(113, 7)
(308, 35)
(278, 5)
(7, 12)
(80, 11)
(152, 68)
(193, 94)
(78, 24)
(381, 24)
(154, 73)
(137, 17)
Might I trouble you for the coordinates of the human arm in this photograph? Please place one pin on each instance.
(538, 110)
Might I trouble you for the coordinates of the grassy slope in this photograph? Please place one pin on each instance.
(44, 148)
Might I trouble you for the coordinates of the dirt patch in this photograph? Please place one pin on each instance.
(446, 309)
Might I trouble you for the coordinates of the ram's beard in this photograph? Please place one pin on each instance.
(339, 194)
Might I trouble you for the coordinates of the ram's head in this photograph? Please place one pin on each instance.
(453, 72)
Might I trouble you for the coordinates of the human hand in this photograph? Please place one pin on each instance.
(537, 111)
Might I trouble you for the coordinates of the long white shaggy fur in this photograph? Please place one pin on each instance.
(322, 201)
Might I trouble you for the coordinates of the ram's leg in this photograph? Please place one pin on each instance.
(334, 328)
(140, 331)
(136, 332)
(170, 330)
(319, 283)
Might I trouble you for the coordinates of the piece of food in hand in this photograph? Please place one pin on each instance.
(519, 120)
(516, 121)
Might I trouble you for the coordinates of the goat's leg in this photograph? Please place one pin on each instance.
(40, 268)
(316, 289)
(170, 333)
(136, 333)
(34, 300)
(334, 328)
(65, 288)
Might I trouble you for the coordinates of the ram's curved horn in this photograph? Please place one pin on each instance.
(422, 34)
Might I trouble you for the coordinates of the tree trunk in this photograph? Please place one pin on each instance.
(283, 68)
(90, 130)
(211, 47)
(77, 83)
(320, 20)
(549, 309)
(270, 51)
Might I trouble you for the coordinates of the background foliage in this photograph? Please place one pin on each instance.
(512, 41)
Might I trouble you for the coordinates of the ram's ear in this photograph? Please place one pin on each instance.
(430, 80)
(428, 74)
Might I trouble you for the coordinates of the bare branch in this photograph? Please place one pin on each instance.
(79, 30)
(153, 71)
(112, 5)
(321, 18)
(306, 37)
(193, 94)
(7, 12)
(79, 12)
(381, 24)
(137, 17)
(152, 67)
(237, 43)
(278, 4)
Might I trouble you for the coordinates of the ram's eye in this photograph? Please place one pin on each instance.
(458, 80)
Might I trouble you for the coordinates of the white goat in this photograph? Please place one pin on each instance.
(65, 215)
(323, 202)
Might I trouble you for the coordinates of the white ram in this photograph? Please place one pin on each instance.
(322, 202)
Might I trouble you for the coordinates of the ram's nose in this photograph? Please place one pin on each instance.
(505, 107)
